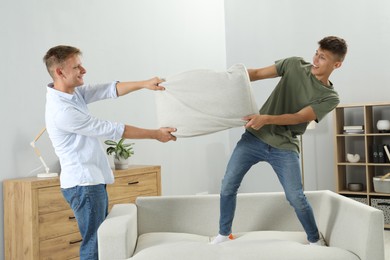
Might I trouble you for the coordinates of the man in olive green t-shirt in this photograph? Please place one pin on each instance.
(304, 93)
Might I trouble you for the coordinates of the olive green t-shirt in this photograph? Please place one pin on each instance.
(297, 88)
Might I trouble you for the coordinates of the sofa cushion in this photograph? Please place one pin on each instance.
(263, 245)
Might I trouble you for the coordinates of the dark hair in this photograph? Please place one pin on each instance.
(334, 44)
(57, 55)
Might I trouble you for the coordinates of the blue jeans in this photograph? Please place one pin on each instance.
(90, 207)
(249, 151)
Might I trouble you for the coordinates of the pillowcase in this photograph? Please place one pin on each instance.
(200, 102)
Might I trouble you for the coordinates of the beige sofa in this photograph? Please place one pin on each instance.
(265, 227)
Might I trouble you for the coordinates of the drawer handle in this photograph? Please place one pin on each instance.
(75, 242)
(384, 203)
(133, 183)
(72, 218)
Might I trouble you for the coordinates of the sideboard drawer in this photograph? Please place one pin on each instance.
(50, 199)
(57, 224)
(133, 186)
(64, 247)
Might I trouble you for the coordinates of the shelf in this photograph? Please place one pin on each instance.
(350, 135)
(365, 193)
(379, 194)
(352, 164)
(363, 164)
(365, 115)
(378, 134)
(357, 193)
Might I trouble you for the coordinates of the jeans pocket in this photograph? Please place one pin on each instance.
(71, 197)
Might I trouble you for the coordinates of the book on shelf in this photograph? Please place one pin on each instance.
(381, 154)
(353, 127)
(375, 156)
(386, 148)
(353, 131)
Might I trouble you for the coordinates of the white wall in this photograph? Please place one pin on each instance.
(258, 32)
(120, 40)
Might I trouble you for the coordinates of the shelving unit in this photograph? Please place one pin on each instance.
(365, 169)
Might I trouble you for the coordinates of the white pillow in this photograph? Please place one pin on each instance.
(200, 102)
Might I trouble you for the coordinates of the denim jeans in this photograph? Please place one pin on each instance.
(90, 207)
(249, 151)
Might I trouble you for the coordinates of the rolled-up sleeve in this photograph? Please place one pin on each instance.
(96, 92)
(75, 121)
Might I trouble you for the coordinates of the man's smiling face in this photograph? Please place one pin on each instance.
(324, 62)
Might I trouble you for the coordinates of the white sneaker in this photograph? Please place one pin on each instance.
(320, 242)
(220, 239)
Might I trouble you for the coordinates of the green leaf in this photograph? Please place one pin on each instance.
(110, 142)
(121, 142)
(125, 154)
(110, 150)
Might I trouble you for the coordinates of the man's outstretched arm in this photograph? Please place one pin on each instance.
(263, 73)
(124, 88)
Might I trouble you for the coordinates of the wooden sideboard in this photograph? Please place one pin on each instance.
(39, 224)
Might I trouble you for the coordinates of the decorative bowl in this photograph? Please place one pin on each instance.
(353, 158)
(355, 186)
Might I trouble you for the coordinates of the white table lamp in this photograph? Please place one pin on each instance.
(47, 172)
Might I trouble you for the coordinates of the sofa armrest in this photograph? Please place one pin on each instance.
(117, 235)
(352, 225)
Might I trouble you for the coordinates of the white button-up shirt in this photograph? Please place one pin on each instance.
(75, 134)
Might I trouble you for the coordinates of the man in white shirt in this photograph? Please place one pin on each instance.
(75, 134)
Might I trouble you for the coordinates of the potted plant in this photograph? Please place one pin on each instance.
(121, 151)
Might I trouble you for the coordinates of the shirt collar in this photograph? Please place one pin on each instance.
(53, 91)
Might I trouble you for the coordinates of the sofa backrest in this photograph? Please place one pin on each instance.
(340, 218)
(200, 214)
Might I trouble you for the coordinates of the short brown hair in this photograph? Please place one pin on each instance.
(57, 55)
(334, 44)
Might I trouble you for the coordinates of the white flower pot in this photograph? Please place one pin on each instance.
(121, 164)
